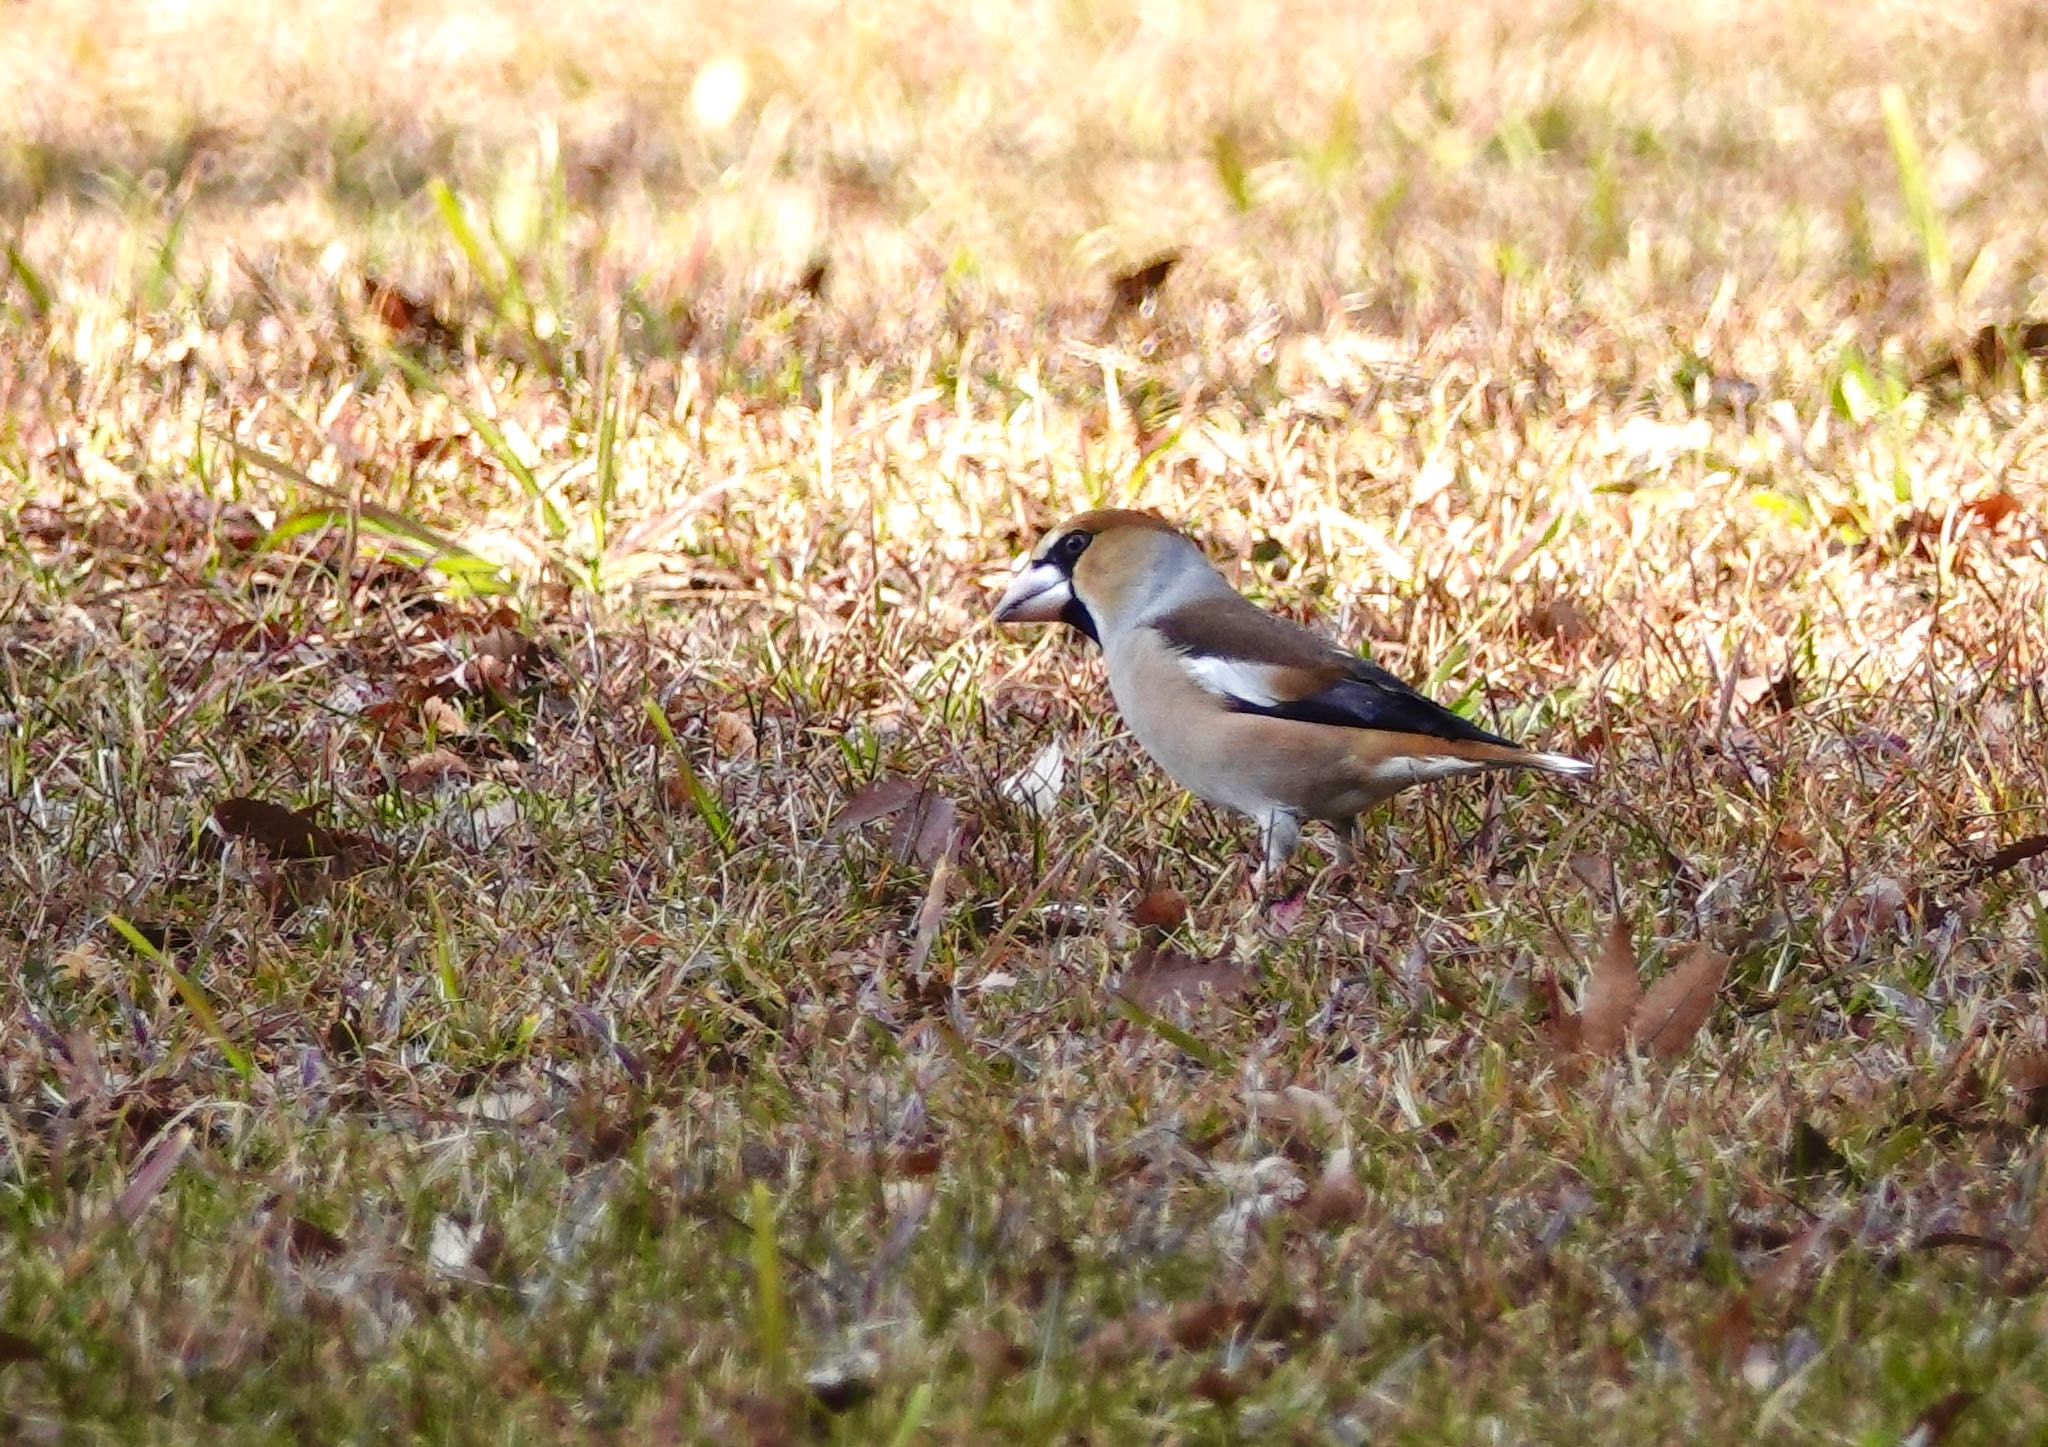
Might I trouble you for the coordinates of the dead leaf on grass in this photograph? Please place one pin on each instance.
(885, 796)
(732, 736)
(1159, 979)
(1037, 785)
(1336, 1199)
(1939, 1420)
(424, 771)
(927, 822)
(1992, 509)
(149, 1178)
(1612, 993)
(1673, 1010)
(1162, 909)
(1130, 290)
(1616, 1011)
(17, 1348)
(925, 830)
(279, 832)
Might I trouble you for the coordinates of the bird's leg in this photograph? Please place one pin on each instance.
(1278, 832)
(1350, 836)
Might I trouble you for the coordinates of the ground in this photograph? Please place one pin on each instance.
(541, 909)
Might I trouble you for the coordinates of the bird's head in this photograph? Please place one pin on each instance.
(1105, 570)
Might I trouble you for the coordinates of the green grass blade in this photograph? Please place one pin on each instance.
(39, 294)
(771, 1314)
(1173, 1034)
(189, 991)
(913, 1415)
(1918, 193)
(551, 516)
(702, 800)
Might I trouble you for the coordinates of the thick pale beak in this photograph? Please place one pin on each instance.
(1039, 595)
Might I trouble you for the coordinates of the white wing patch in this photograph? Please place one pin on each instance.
(1401, 773)
(1234, 678)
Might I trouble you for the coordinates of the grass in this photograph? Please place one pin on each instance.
(570, 486)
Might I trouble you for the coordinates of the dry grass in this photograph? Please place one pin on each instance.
(1565, 357)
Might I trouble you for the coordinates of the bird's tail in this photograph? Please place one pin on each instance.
(1551, 764)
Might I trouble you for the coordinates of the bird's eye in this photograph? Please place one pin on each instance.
(1072, 546)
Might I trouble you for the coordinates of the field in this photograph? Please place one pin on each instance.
(538, 906)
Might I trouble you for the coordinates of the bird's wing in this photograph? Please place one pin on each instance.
(1265, 665)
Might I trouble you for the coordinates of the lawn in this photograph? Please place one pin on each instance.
(539, 907)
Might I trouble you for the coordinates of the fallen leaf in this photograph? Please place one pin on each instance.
(307, 1241)
(993, 1354)
(930, 915)
(1216, 1383)
(1559, 621)
(2011, 856)
(424, 771)
(1283, 915)
(1037, 785)
(279, 832)
(17, 1348)
(1811, 1153)
(1132, 289)
(453, 1245)
(406, 315)
(1336, 1199)
(1162, 909)
(1158, 979)
(924, 830)
(732, 737)
(442, 717)
(1612, 994)
(1990, 350)
(1993, 508)
(1939, 1420)
(1205, 1321)
(1561, 1021)
(1673, 1010)
(149, 1178)
(844, 1382)
(885, 796)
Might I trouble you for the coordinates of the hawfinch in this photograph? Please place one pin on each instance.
(1244, 709)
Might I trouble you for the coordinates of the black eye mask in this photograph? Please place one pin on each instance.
(1065, 553)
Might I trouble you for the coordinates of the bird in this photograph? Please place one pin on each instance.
(1246, 710)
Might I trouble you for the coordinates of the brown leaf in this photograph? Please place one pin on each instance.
(930, 914)
(423, 771)
(279, 832)
(1938, 1420)
(924, 831)
(993, 1354)
(732, 737)
(150, 1176)
(1162, 909)
(1612, 994)
(1200, 1323)
(1559, 621)
(1567, 1031)
(914, 1162)
(1158, 979)
(1130, 290)
(1216, 1383)
(1992, 509)
(1336, 1199)
(2011, 856)
(885, 796)
(405, 314)
(308, 1241)
(1677, 1005)
(17, 1348)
